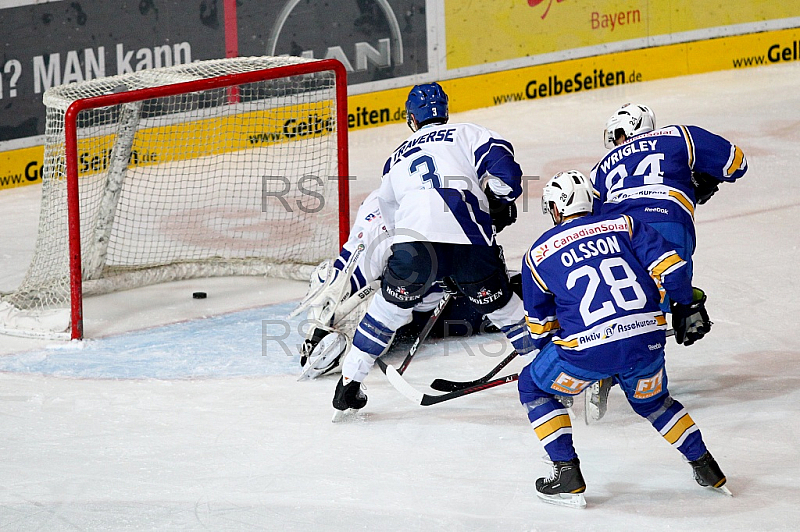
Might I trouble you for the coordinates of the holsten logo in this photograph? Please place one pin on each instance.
(344, 22)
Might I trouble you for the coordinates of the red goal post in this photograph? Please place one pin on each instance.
(226, 167)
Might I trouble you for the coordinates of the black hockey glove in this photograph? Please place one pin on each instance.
(503, 213)
(690, 321)
(705, 186)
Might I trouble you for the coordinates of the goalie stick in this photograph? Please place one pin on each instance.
(423, 399)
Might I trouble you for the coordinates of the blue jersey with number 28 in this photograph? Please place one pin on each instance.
(588, 286)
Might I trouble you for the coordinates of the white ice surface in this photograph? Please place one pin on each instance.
(174, 416)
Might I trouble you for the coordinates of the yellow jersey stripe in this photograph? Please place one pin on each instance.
(683, 200)
(535, 275)
(736, 163)
(683, 424)
(567, 343)
(689, 145)
(540, 329)
(630, 224)
(670, 261)
(552, 425)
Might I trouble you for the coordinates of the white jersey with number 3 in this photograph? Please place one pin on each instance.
(432, 184)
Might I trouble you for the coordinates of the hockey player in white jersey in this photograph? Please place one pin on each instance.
(659, 176)
(341, 288)
(592, 307)
(445, 191)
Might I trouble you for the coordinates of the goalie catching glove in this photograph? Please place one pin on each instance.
(705, 186)
(503, 213)
(322, 354)
(690, 321)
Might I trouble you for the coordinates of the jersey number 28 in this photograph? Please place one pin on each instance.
(616, 287)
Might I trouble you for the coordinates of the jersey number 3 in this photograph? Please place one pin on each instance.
(427, 168)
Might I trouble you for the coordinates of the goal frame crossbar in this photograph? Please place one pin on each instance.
(228, 80)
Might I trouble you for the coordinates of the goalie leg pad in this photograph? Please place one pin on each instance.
(325, 356)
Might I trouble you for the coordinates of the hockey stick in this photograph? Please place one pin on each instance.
(437, 311)
(444, 385)
(350, 304)
(423, 399)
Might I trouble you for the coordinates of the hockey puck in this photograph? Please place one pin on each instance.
(199, 295)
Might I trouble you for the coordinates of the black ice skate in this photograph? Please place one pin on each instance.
(708, 474)
(347, 398)
(596, 400)
(564, 486)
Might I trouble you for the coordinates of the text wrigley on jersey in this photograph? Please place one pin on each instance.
(601, 270)
(432, 184)
(650, 175)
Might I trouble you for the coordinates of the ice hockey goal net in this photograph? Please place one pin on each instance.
(225, 167)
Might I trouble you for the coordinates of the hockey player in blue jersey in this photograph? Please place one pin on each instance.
(592, 307)
(446, 190)
(659, 175)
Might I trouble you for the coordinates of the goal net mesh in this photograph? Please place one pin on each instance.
(233, 180)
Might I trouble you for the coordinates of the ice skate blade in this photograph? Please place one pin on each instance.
(344, 416)
(724, 490)
(570, 500)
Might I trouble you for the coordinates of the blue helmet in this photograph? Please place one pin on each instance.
(426, 103)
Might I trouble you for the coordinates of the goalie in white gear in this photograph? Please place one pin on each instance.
(337, 290)
(340, 288)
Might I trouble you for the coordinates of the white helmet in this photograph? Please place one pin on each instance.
(632, 119)
(571, 193)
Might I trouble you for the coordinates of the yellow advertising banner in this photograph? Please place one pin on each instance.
(590, 73)
(20, 167)
(200, 138)
(487, 32)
